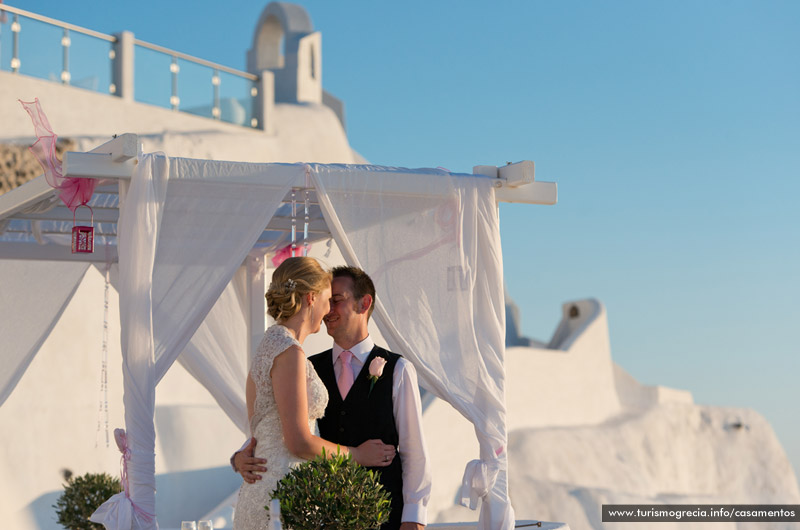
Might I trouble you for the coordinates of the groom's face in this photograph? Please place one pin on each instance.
(344, 321)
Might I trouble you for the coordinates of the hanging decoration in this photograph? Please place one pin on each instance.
(291, 250)
(294, 222)
(305, 225)
(102, 412)
(82, 235)
(74, 192)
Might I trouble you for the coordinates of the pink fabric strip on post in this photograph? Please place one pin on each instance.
(73, 191)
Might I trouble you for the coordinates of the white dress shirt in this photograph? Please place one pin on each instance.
(408, 421)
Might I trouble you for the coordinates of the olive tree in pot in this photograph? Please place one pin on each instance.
(332, 492)
(82, 496)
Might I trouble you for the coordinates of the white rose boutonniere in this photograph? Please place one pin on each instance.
(375, 371)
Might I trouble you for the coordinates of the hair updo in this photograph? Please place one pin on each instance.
(291, 281)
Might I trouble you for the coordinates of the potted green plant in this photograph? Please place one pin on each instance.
(332, 492)
(82, 496)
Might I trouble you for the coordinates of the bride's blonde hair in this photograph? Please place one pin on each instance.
(291, 281)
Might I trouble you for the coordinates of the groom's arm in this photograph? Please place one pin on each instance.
(413, 454)
(246, 464)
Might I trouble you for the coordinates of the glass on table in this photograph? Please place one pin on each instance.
(188, 525)
(205, 525)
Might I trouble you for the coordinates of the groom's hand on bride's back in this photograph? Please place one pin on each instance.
(247, 465)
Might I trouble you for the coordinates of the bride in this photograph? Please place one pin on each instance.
(285, 397)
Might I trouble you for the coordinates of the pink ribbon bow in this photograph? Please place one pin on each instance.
(122, 443)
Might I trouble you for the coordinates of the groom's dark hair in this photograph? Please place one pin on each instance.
(362, 283)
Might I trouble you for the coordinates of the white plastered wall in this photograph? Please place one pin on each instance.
(302, 133)
(49, 423)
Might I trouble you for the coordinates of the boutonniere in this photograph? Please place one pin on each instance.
(375, 371)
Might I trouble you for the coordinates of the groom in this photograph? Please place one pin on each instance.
(385, 406)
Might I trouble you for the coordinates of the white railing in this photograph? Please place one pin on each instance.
(232, 95)
(215, 77)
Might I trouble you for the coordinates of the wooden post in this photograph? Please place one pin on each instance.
(256, 302)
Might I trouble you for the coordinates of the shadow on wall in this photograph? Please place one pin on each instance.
(589, 505)
(42, 512)
(181, 496)
(187, 495)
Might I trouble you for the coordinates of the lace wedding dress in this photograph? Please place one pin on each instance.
(265, 426)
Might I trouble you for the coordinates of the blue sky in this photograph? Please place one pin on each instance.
(672, 129)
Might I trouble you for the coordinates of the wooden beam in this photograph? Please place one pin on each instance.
(114, 159)
(21, 198)
(545, 193)
(62, 213)
(96, 166)
(516, 183)
(517, 174)
(53, 252)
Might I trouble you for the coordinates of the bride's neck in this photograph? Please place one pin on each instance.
(299, 326)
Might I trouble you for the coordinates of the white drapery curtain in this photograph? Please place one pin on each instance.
(33, 295)
(217, 354)
(431, 243)
(185, 227)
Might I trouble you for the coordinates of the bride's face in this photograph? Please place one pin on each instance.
(321, 307)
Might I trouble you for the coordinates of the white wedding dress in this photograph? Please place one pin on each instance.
(265, 426)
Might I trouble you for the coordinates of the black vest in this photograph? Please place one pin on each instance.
(366, 414)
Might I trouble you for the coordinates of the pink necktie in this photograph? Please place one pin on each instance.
(345, 380)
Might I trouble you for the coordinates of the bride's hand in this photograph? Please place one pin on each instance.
(373, 453)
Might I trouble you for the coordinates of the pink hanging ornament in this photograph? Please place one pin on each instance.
(82, 236)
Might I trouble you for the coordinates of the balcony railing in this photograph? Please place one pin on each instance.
(39, 46)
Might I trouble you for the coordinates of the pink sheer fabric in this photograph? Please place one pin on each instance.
(286, 252)
(73, 191)
(281, 255)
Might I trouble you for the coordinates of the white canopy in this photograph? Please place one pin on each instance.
(429, 239)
